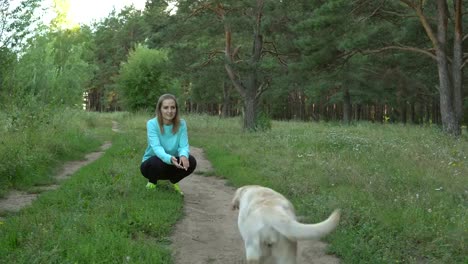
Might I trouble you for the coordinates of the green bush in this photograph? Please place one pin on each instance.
(263, 122)
(141, 79)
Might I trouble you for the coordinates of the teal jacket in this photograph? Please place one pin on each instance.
(166, 145)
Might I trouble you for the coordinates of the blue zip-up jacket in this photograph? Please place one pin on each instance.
(166, 145)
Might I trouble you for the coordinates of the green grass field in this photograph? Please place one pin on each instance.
(402, 190)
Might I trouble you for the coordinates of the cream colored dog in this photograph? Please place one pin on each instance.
(267, 223)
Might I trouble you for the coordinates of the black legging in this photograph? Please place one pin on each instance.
(155, 169)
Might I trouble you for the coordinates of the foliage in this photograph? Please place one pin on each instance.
(202, 78)
(8, 59)
(16, 22)
(142, 78)
(313, 54)
(52, 68)
(263, 122)
(113, 38)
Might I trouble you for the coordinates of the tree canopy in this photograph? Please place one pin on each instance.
(384, 61)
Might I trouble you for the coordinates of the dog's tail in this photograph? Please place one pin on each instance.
(297, 231)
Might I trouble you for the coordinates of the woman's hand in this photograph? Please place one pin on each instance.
(177, 164)
(184, 162)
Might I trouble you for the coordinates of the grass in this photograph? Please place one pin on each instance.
(402, 190)
(103, 214)
(32, 145)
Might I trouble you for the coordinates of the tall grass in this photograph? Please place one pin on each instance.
(403, 189)
(35, 140)
(103, 214)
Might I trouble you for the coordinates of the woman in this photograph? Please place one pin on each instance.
(167, 156)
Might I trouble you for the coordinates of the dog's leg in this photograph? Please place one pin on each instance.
(253, 251)
(284, 252)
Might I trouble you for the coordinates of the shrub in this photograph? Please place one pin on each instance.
(141, 79)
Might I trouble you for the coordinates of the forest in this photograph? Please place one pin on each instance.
(352, 104)
(340, 60)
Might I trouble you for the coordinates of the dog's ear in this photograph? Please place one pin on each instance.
(236, 200)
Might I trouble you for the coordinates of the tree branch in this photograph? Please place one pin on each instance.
(393, 13)
(211, 57)
(359, 5)
(427, 27)
(409, 3)
(374, 12)
(230, 72)
(219, 10)
(465, 37)
(405, 48)
(262, 88)
(235, 53)
(277, 55)
(198, 10)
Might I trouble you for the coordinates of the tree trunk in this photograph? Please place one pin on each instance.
(252, 90)
(358, 112)
(435, 111)
(449, 120)
(427, 114)
(346, 106)
(412, 113)
(94, 100)
(302, 105)
(378, 113)
(457, 62)
(250, 109)
(404, 112)
(226, 105)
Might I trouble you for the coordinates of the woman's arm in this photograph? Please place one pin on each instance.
(184, 149)
(153, 133)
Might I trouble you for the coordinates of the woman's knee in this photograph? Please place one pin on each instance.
(192, 161)
(151, 166)
(144, 168)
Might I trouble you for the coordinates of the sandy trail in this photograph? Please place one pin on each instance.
(15, 199)
(208, 232)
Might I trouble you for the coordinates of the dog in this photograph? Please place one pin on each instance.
(268, 225)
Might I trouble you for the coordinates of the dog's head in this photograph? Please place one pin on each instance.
(237, 196)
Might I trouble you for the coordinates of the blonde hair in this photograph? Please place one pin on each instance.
(175, 121)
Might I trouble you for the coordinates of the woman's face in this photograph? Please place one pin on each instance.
(168, 110)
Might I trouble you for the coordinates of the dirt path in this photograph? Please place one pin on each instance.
(208, 233)
(15, 199)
